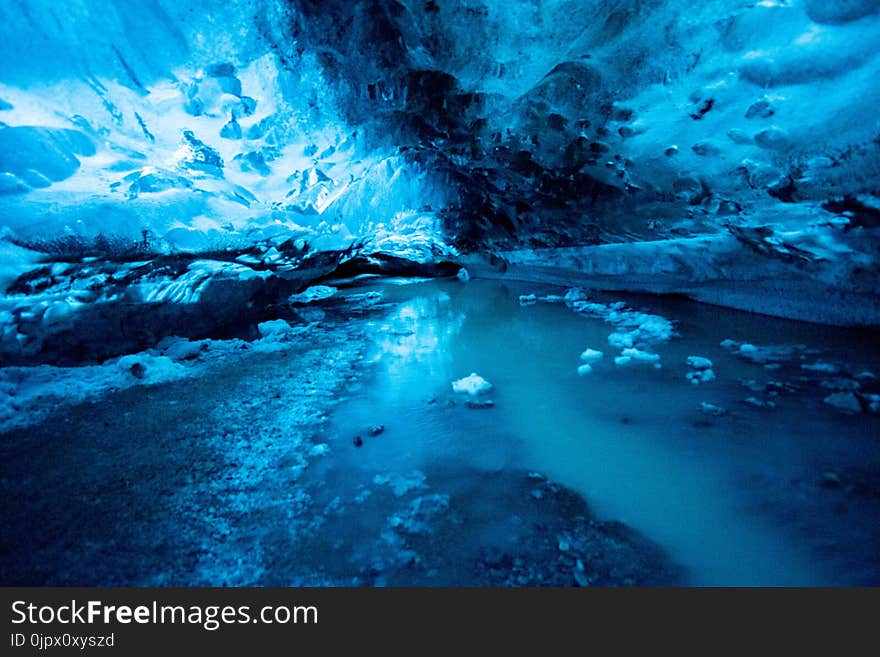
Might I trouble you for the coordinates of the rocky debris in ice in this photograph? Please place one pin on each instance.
(357, 441)
(312, 294)
(472, 385)
(591, 355)
(844, 401)
(699, 363)
(584, 369)
(712, 409)
(463, 275)
(479, 404)
(401, 484)
(375, 429)
(700, 376)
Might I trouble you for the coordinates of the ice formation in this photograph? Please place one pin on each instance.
(590, 355)
(709, 157)
(472, 385)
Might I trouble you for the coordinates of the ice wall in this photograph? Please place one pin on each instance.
(195, 125)
(414, 125)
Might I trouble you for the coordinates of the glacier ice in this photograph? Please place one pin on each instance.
(197, 150)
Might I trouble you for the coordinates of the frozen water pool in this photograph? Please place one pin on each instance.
(782, 494)
(340, 453)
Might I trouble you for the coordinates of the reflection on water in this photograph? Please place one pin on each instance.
(415, 334)
(736, 499)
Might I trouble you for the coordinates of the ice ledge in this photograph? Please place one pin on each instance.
(718, 269)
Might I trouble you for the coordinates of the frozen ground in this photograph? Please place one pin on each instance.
(337, 452)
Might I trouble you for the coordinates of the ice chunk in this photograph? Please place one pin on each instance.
(845, 401)
(699, 363)
(178, 349)
(274, 328)
(821, 366)
(472, 385)
(701, 376)
(584, 370)
(313, 293)
(711, 409)
(153, 369)
(591, 355)
(321, 449)
(620, 340)
(527, 299)
(463, 275)
(640, 356)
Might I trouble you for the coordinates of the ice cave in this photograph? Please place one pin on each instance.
(440, 292)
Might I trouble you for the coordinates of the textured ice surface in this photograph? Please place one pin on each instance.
(196, 126)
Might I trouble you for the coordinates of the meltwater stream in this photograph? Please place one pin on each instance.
(780, 489)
